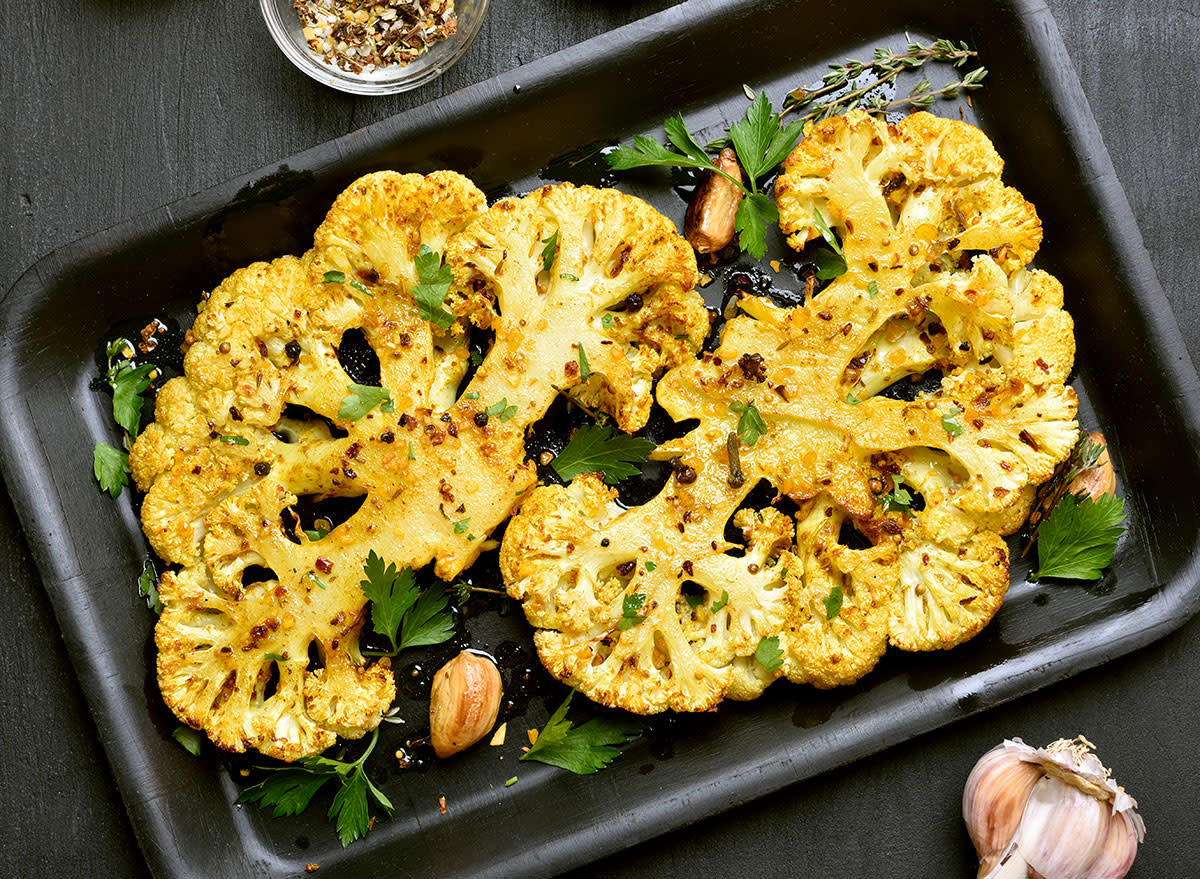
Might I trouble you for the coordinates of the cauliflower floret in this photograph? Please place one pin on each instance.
(258, 421)
(580, 276)
(935, 248)
(644, 609)
(830, 647)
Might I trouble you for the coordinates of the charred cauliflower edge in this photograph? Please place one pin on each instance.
(258, 638)
(936, 248)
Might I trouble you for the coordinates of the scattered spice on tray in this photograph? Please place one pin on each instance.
(360, 36)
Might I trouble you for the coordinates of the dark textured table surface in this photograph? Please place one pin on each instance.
(113, 107)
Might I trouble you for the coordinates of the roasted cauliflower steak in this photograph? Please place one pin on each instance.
(901, 500)
(258, 641)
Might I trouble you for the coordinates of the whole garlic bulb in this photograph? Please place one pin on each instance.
(1049, 813)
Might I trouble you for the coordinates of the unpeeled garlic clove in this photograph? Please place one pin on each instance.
(1051, 813)
(463, 703)
(1099, 480)
(994, 801)
(709, 224)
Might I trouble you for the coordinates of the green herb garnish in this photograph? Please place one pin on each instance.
(582, 749)
(434, 280)
(750, 424)
(1079, 537)
(362, 399)
(288, 791)
(768, 654)
(629, 611)
(398, 607)
(596, 449)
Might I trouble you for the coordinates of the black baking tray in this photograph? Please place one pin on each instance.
(1135, 380)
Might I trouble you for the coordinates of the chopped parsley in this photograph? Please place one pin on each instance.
(606, 320)
(768, 654)
(872, 289)
(899, 498)
(720, 603)
(852, 400)
(650, 566)
(549, 250)
(585, 371)
(833, 602)
(361, 399)
(750, 424)
(190, 739)
(568, 277)
(336, 277)
(501, 408)
(234, 440)
(111, 468)
(630, 611)
(148, 589)
(950, 423)
(461, 526)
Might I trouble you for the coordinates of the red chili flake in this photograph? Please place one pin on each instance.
(323, 565)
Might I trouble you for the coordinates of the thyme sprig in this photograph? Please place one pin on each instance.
(886, 66)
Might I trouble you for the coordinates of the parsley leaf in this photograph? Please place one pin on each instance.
(336, 277)
(720, 604)
(899, 498)
(830, 265)
(128, 385)
(582, 749)
(434, 283)
(1079, 537)
(755, 213)
(391, 592)
(760, 140)
(827, 233)
(768, 654)
(750, 424)
(872, 289)
(950, 423)
(833, 602)
(549, 250)
(650, 566)
(288, 791)
(111, 468)
(606, 320)
(594, 448)
(190, 739)
(362, 399)
(419, 617)
(761, 143)
(148, 590)
(584, 370)
(629, 611)
(505, 411)
(429, 621)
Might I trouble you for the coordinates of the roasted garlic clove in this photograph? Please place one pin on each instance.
(709, 223)
(1099, 480)
(1049, 812)
(464, 703)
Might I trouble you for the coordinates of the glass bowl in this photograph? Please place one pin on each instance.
(284, 24)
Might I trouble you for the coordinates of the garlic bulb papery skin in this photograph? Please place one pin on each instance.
(1049, 813)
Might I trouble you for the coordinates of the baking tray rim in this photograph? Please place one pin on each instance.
(1175, 602)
